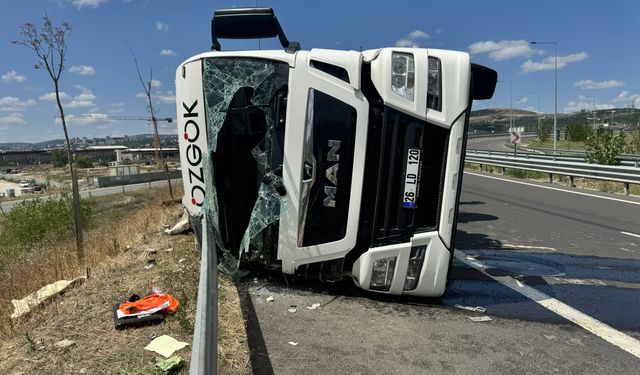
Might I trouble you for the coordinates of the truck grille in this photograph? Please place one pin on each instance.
(391, 222)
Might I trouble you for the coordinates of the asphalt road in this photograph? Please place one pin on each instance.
(498, 143)
(568, 245)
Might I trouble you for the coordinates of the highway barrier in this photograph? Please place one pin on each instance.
(564, 166)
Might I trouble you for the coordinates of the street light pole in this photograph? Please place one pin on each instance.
(555, 113)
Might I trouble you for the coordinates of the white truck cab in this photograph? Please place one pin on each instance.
(327, 163)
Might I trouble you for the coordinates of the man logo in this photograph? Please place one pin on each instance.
(332, 174)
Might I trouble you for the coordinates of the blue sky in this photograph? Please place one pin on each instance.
(597, 47)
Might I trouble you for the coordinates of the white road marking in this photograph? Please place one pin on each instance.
(529, 247)
(605, 332)
(553, 188)
(631, 234)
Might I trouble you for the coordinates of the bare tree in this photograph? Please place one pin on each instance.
(146, 86)
(50, 46)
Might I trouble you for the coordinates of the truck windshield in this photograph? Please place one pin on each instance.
(245, 101)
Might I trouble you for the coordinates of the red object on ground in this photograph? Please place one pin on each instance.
(150, 302)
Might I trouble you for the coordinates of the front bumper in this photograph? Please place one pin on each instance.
(433, 274)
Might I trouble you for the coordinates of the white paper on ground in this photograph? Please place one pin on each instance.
(165, 345)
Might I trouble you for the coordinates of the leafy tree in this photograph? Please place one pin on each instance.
(49, 43)
(603, 147)
(84, 162)
(543, 133)
(577, 132)
(60, 158)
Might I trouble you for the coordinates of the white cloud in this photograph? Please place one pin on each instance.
(628, 100)
(13, 76)
(590, 84)
(412, 39)
(13, 104)
(83, 100)
(167, 52)
(13, 119)
(52, 96)
(161, 26)
(439, 31)
(84, 70)
(523, 100)
(79, 4)
(586, 103)
(155, 83)
(504, 49)
(167, 97)
(548, 63)
(115, 107)
(89, 118)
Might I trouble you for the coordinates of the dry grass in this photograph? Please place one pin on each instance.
(116, 258)
(233, 351)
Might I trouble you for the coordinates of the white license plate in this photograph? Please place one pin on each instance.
(411, 179)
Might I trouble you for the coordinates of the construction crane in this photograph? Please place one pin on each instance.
(156, 138)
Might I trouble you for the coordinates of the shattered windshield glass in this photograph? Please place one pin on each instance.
(245, 101)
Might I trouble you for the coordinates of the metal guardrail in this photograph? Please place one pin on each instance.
(616, 173)
(205, 336)
(631, 160)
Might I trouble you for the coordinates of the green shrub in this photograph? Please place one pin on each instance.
(60, 158)
(84, 162)
(603, 147)
(577, 132)
(40, 220)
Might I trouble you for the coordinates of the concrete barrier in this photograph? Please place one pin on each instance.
(108, 181)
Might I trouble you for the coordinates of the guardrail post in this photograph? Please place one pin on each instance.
(626, 188)
(551, 178)
(571, 182)
(504, 170)
(480, 167)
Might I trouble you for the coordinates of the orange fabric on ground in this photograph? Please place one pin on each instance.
(149, 302)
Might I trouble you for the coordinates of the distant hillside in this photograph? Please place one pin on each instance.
(497, 119)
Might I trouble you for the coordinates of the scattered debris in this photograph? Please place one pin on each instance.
(165, 345)
(314, 306)
(25, 305)
(270, 299)
(550, 337)
(169, 365)
(150, 251)
(255, 280)
(292, 309)
(181, 226)
(293, 343)
(62, 344)
(150, 264)
(153, 303)
(479, 309)
(480, 318)
(181, 260)
(169, 249)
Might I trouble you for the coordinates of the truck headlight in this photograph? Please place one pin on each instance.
(402, 75)
(434, 85)
(415, 267)
(382, 274)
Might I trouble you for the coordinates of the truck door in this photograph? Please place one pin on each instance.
(325, 143)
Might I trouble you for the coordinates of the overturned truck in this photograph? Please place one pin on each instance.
(326, 163)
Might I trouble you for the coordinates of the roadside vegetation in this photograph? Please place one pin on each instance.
(38, 248)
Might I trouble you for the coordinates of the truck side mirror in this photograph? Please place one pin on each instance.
(248, 23)
(483, 82)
